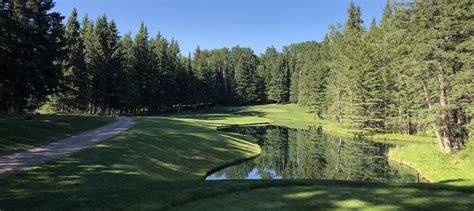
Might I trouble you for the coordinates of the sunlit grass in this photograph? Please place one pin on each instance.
(306, 195)
(160, 162)
(438, 167)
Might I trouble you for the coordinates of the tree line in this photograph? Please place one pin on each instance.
(411, 73)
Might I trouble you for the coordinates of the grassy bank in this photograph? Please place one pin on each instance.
(18, 134)
(159, 164)
(438, 167)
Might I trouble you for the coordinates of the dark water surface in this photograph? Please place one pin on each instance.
(311, 154)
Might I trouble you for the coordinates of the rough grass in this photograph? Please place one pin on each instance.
(18, 134)
(438, 167)
(159, 164)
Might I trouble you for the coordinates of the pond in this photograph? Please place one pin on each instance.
(311, 154)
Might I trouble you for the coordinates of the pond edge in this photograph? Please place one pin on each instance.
(402, 163)
(236, 162)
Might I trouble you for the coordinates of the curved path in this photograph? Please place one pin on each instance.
(37, 155)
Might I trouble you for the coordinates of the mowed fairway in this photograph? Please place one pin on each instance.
(160, 164)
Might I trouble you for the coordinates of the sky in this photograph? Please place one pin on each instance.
(213, 24)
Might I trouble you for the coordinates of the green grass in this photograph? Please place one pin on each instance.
(291, 115)
(127, 168)
(438, 167)
(160, 162)
(323, 195)
(18, 134)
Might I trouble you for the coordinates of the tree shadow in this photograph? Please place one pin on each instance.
(160, 164)
(328, 194)
(219, 114)
(126, 167)
(451, 181)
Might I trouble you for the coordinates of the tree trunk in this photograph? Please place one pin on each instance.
(426, 93)
(443, 101)
(339, 107)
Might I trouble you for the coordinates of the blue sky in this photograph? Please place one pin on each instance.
(225, 23)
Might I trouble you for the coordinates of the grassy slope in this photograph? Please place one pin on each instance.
(154, 164)
(18, 135)
(438, 167)
(132, 168)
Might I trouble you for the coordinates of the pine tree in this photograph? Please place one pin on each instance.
(127, 81)
(338, 79)
(245, 77)
(219, 63)
(276, 76)
(142, 70)
(89, 39)
(355, 102)
(75, 94)
(173, 53)
(373, 105)
(294, 57)
(161, 74)
(115, 67)
(438, 31)
(203, 75)
(29, 69)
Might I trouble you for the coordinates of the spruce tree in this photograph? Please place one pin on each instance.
(438, 30)
(89, 39)
(31, 51)
(204, 79)
(75, 93)
(127, 81)
(142, 70)
(276, 76)
(245, 77)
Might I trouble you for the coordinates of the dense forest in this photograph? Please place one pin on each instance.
(411, 72)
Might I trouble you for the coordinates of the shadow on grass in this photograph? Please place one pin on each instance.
(451, 181)
(219, 114)
(126, 168)
(19, 135)
(159, 164)
(326, 194)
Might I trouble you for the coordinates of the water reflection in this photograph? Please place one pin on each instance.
(312, 154)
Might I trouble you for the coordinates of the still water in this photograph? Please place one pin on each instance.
(311, 154)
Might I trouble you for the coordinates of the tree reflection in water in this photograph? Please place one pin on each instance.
(311, 154)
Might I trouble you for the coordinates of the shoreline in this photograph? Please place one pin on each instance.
(411, 167)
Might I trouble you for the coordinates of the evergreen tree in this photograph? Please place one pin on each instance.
(127, 87)
(161, 74)
(88, 37)
(411, 74)
(355, 101)
(245, 77)
(115, 67)
(75, 94)
(276, 76)
(201, 70)
(30, 71)
(219, 63)
(142, 70)
(438, 32)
